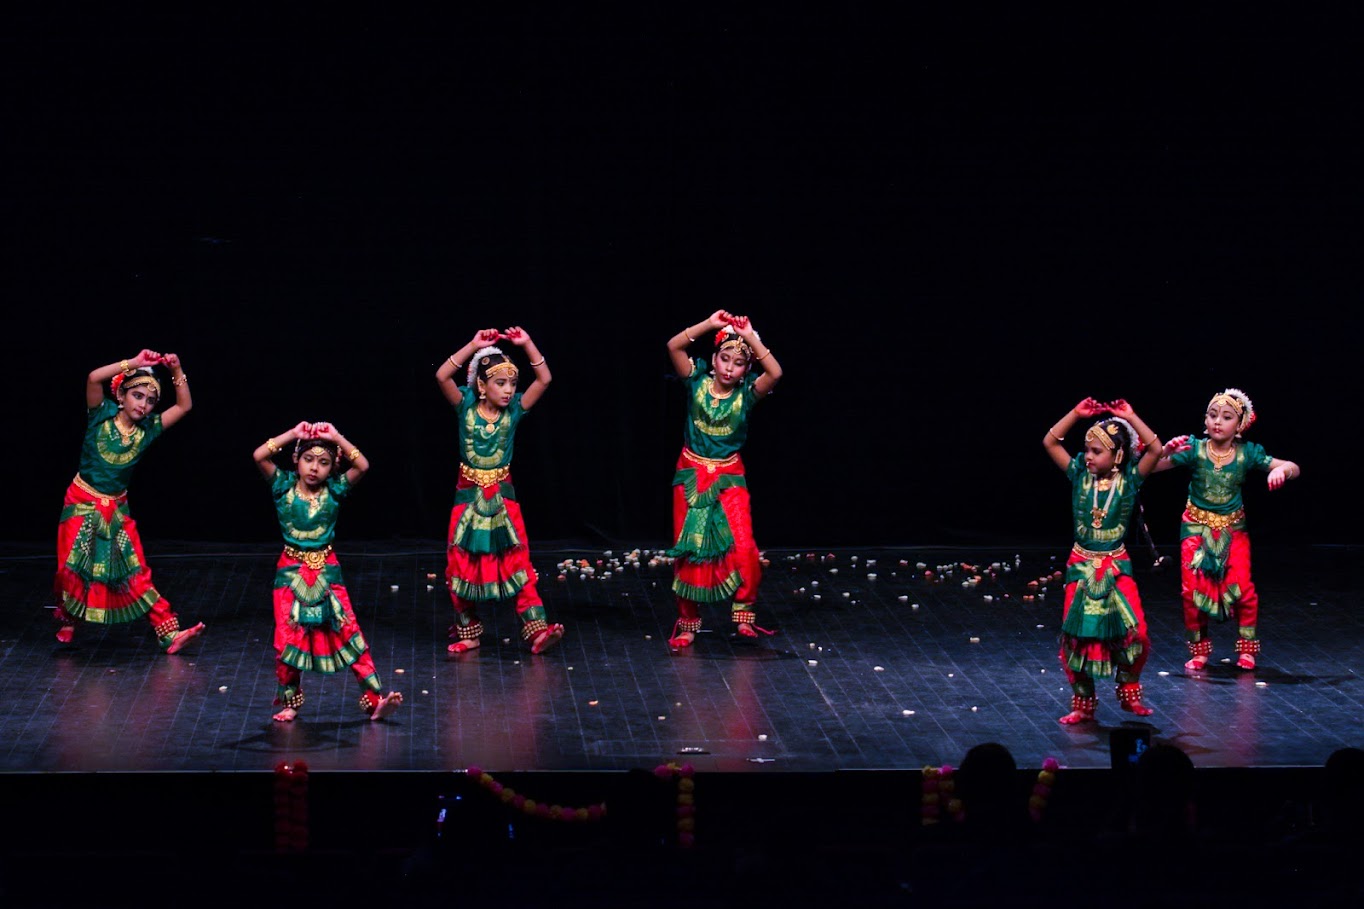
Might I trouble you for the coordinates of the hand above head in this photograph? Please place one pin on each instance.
(304, 430)
(1090, 407)
(325, 431)
(486, 336)
(718, 319)
(146, 358)
(172, 361)
(517, 335)
(1119, 407)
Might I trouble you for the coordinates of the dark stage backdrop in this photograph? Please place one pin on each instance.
(946, 242)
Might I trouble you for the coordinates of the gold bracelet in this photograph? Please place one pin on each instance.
(1052, 432)
(763, 357)
(353, 455)
(1152, 443)
(690, 339)
(270, 444)
(537, 365)
(180, 379)
(453, 363)
(124, 368)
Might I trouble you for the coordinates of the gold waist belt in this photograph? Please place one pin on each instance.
(484, 477)
(313, 558)
(1195, 515)
(86, 487)
(710, 464)
(1091, 555)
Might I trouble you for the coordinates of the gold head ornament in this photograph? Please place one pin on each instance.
(730, 338)
(138, 381)
(504, 367)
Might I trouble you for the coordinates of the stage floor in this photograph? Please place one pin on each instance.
(873, 666)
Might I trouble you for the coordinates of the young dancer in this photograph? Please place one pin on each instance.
(1214, 548)
(315, 626)
(488, 558)
(715, 559)
(102, 574)
(1103, 626)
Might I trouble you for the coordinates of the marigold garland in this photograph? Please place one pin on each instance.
(1041, 790)
(939, 792)
(938, 796)
(686, 799)
(533, 808)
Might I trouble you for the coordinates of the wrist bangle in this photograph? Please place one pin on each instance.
(124, 368)
(454, 363)
(1052, 433)
(270, 444)
(180, 379)
(353, 454)
(763, 357)
(539, 364)
(690, 339)
(1152, 443)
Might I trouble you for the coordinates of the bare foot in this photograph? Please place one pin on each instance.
(464, 646)
(183, 637)
(1136, 707)
(66, 634)
(285, 716)
(546, 639)
(1245, 661)
(1075, 716)
(387, 704)
(1196, 664)
(746, 630)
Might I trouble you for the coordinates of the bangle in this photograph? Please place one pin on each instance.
(124, 368)
(270, 444)
(1052, 432)
(353, 454)
(763, 357)
(537, 365)
(180, 379)
(1152, 443)
(455, 364)
(690, 339)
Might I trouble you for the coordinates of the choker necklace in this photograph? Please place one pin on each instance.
(717, 398)
(126, 434)
(1221, 460)
(491, 422)
(1098, 514)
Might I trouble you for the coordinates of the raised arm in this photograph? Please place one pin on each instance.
(183, 402)
(1153, 452)
(94, 383)
(266, 451)
(359, 464)
(1055, 436)
(771, 374)
(451, 370)
(521, 338)
(678, 343)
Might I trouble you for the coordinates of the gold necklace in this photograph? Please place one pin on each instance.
(717, 398)
(1221, 460)
(1098, 514)
(126, 434)
(491, 426)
